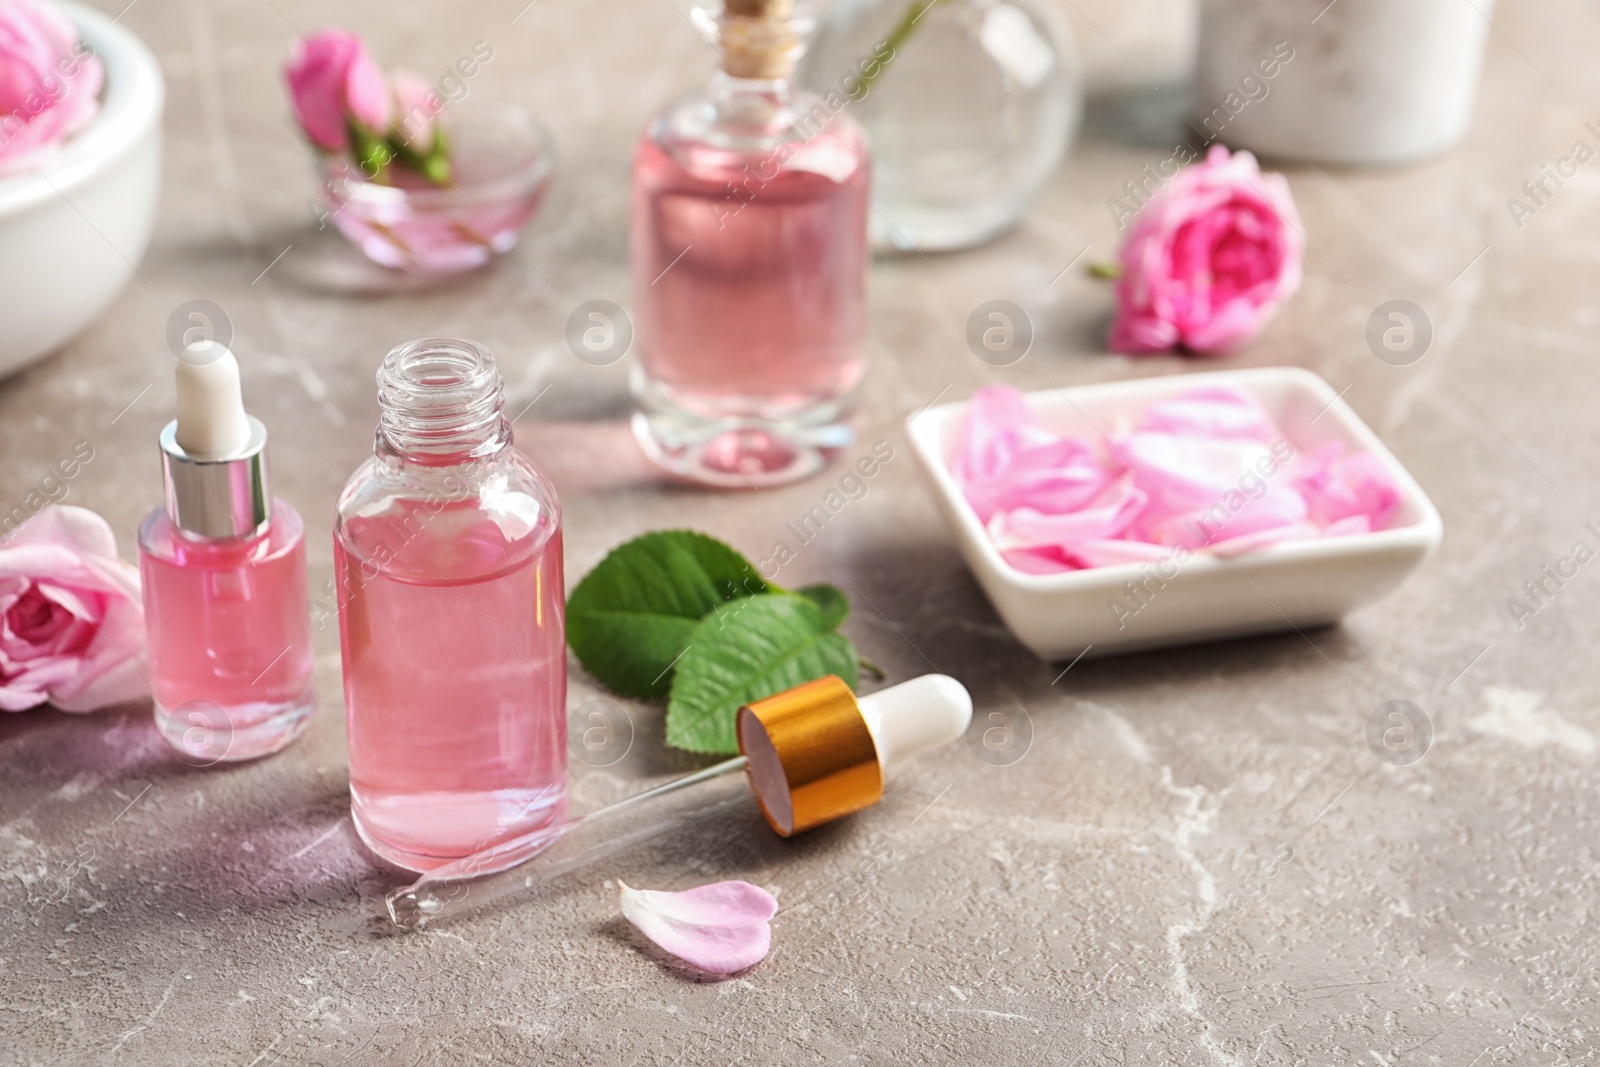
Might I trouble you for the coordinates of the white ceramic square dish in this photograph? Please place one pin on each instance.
(1293, 584)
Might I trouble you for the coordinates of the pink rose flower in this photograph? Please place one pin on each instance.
(1211, 257)
(416, 104)
(71, 621)
(49, 83)
(332, 79)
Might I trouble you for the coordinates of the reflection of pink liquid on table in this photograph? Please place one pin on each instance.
(455, 680)
(751, 303)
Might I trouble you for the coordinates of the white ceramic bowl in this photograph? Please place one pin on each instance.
(71, 233)
(1294, 584)
(1369, 81)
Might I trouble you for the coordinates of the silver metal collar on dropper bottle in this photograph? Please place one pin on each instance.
(216, 495)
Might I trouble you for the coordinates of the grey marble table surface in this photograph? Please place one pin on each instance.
(1195, 859)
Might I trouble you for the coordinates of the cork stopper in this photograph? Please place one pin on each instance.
(758, 39)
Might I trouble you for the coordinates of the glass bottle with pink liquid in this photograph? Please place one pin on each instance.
(749, 253)
(447, 557)
(223, 569)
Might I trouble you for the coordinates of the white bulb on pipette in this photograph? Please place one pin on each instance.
(916, 716)
(211, 418)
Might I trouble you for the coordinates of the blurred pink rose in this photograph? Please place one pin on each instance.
(71, 622)
(416, 104)
(49, 82)
(1211, 256)
(332, 78)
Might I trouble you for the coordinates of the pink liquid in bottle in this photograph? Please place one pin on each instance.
(751, 301)
(229, 637)
(455, 681)
(448, 559)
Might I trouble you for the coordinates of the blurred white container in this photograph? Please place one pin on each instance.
(71, 233)
(1370, 81)
(1294, 584)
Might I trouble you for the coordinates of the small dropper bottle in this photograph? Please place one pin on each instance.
(810, 755)
(224, 575)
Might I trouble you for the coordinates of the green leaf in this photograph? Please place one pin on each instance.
(631, 617)
(434, 165)
(830, 600)
(372, 152)
(745, 651)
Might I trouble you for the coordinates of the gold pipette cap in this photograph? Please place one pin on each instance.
(817, 753)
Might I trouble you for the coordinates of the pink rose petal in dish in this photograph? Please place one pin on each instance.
(1208, 471)
(1011, 459)
(720, 928)
(1101, 519)
(1215, 411)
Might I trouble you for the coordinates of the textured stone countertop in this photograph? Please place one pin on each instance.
(1196, 860)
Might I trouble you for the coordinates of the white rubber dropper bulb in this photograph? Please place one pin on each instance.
(916, 716)
(211, 418)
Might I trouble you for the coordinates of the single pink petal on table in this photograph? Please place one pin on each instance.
(720, 928)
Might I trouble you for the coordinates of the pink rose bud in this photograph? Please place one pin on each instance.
(1211, 257)
(416, 104)
(49, 83)
(71, 622)
(332, 78)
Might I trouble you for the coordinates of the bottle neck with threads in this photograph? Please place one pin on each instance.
(441, 404)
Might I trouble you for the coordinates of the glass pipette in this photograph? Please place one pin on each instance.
(810, 755)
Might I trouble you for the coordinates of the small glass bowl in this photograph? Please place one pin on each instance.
(501, 161)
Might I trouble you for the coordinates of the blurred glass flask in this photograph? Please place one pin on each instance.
(970, 104)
